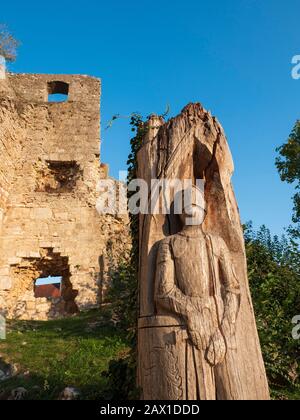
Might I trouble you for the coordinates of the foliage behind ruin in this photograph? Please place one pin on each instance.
(8, 44)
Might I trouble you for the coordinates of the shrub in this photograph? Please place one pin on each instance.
(273, 267)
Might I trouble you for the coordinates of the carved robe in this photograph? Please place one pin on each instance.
(196, 279)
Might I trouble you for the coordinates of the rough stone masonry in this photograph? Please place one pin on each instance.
(49, 169)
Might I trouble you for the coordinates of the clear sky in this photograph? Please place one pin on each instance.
(234, 56)
(48, 280)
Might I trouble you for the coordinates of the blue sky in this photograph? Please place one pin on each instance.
(233, 56)
(48, 280)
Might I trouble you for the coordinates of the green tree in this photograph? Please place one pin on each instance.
(8, 44)
(288, 165)
(123, 292)
(274, 276)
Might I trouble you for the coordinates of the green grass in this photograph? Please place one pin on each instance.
(71, 352)
(55, 354)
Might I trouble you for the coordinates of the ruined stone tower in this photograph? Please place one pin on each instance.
(49, 169)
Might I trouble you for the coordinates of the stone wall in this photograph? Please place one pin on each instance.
(10, 151)
(49, 171)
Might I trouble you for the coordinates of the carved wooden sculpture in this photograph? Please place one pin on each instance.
(197, 333)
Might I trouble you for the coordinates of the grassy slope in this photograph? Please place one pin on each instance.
(56, 354)
(71, 352)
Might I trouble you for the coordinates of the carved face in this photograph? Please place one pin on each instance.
(193, 215)
(194, 207)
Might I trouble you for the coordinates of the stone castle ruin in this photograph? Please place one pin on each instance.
(49, 170)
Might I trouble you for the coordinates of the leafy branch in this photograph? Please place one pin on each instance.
(8, 44)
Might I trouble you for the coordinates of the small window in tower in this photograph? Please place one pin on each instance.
(58, 91)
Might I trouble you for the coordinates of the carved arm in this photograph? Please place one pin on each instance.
(232, 294)
(167, 294)
(170, 297)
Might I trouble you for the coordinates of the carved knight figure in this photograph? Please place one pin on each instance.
(195, 280)
(197, 335)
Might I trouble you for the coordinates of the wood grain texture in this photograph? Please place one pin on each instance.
(197, 334)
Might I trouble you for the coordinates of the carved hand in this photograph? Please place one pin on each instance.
(197, 331)
(228, 328)
(216, 350)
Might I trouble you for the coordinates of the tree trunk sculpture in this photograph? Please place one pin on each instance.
(197, 337)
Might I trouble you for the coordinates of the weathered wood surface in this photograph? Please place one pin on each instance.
(197, 333)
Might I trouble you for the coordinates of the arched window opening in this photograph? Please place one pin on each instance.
(58, 91)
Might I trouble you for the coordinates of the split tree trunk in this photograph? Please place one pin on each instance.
(192, 146)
